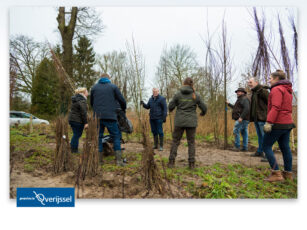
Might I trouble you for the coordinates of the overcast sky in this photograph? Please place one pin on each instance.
(154, 28)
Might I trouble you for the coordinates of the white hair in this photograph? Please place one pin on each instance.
(254, 79)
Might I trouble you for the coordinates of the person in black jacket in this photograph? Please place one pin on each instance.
(158, 113)
(78, 117)
(105, 98)
(241, 114)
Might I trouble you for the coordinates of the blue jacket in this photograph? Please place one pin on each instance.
(158, 107)
(105, 98)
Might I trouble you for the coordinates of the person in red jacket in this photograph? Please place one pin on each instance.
(278, 125)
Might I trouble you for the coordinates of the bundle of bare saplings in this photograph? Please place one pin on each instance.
(62, 159)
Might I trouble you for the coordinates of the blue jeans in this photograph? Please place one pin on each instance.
(260, 133)
(282, 136)
(156, 127)
(77, 129)
(114, 131)
(241, 128)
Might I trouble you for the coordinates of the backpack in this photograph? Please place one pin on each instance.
(125, 125)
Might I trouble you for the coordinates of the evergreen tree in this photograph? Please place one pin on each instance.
(45, 89)
(84, 60)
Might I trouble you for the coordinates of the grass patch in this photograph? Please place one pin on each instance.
(221, 181)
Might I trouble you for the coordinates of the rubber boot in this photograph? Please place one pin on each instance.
(119, 160)
(161, 143)
(171, 164)
(287, 175)
(191, 165)
(156, 140)
(276, 175)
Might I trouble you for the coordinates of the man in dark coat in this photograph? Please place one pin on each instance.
(158, 113)
(105, 98)
(258, 112)
(240, 113)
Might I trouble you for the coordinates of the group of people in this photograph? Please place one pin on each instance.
(271, 113)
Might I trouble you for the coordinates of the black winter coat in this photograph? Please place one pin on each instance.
(158, 107)
(241, 108)
(78, 111)
(105, 99)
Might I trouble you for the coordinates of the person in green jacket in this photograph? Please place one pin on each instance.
(186, 101)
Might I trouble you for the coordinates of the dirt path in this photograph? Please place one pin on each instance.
(208, 155)
(205, 155)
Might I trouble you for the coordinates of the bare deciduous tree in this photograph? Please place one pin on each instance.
(71, 24)
(25, 56)
(284, 51)
(261, 65)
(175, 65)
(136, 73)
(116, 65)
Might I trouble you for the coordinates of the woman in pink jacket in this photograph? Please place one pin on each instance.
(278, 125)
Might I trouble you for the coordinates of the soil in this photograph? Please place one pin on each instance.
(118, 184)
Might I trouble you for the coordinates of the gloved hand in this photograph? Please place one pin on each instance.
(267, 127)
(202, 114)
(141, 102)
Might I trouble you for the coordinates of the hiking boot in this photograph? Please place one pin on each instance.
(235, 149)
(161, 143)
(287, 175)
(119, 160)
(171, 164)
(243, 150)
(275, 176)
(156, 140)
(191, 165)
(257, 154)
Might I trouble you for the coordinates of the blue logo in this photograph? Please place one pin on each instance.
(45, 197)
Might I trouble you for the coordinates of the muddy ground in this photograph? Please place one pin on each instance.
(119, 185)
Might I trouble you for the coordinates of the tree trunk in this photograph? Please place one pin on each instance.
(67, 34)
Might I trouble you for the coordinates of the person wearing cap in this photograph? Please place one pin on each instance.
(240, 113)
